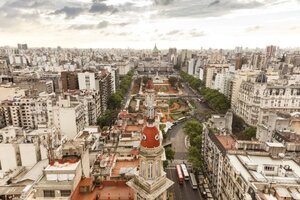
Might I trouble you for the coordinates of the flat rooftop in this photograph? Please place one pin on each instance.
(121, 165)
(256, 164)
(227, 141)
(65, 166)
(108, 190)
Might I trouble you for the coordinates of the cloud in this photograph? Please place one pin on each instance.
(70, 12)
(163, 2)
(253, 28)
(28, 4)
(214, 3)
(102, 24)
(194, 33)
(102, 8)
(173, 32)
(192, 8)
(82, 26)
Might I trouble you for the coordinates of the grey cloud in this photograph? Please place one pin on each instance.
(28, 4)
(206, 8)
(214, 3)
(253, 28)
(122, 24)
(197, 33)
(82, 26)
(102, 8)
(70, 12)
(102, 24)
(173, 32)
(163, 2)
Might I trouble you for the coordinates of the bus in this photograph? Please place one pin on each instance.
(185, 172)
(179, 174)
(193, 181)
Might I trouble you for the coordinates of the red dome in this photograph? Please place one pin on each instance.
(150, 137)
(149, 85)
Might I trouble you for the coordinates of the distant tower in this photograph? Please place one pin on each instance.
(151, 182)
(155, 52)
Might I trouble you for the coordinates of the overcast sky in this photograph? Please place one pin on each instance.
(142, 23)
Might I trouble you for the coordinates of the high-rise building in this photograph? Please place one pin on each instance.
(69, 81)
(87, 81)
(22, 46)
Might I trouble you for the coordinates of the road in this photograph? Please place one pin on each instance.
(184, 191)
(177, 138)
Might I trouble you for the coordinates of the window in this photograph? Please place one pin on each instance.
(269, 168)
(49, 193)
(65, 193)
(150, 170)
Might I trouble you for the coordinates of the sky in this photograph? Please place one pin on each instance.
(140, 24)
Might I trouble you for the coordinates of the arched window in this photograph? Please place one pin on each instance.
(157, 168)
(143, 168)
(150, 166)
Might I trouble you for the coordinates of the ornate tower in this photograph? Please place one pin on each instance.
(151, 182)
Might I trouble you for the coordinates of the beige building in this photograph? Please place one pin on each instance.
(258, 97)
(62, 175)
(248, 169)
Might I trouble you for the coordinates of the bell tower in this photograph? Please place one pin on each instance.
(151, 182)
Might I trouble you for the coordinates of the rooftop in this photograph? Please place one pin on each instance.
(253, 168)
(227, 141)
(122, 165)
(108, 190)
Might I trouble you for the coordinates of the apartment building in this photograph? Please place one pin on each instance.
(258, 97)
(210, 72)
(69, 116)
(69, 80)
(248, 169)
(29, 111)
(62, 175)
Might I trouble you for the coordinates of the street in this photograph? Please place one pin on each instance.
(177, 138)
(184, 191)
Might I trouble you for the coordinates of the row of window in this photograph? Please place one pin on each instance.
(51, 193)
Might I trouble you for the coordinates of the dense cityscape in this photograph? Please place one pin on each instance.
(149, 124)
(149, 100)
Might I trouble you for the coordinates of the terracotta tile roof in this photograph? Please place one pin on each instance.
(86, 182)
(227, 141)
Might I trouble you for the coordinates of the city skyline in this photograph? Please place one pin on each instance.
(140, 24)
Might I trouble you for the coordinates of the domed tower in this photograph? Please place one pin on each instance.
(151, 182)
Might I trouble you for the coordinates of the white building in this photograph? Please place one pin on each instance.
(191, 67)
(87, 81)
(70, 117)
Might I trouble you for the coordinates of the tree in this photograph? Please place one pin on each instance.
(114, 101)
(194, 157)
(193, 129)
(170, 153)
(250, 132)
(173, 81)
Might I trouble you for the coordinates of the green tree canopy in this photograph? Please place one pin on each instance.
(170, 153)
